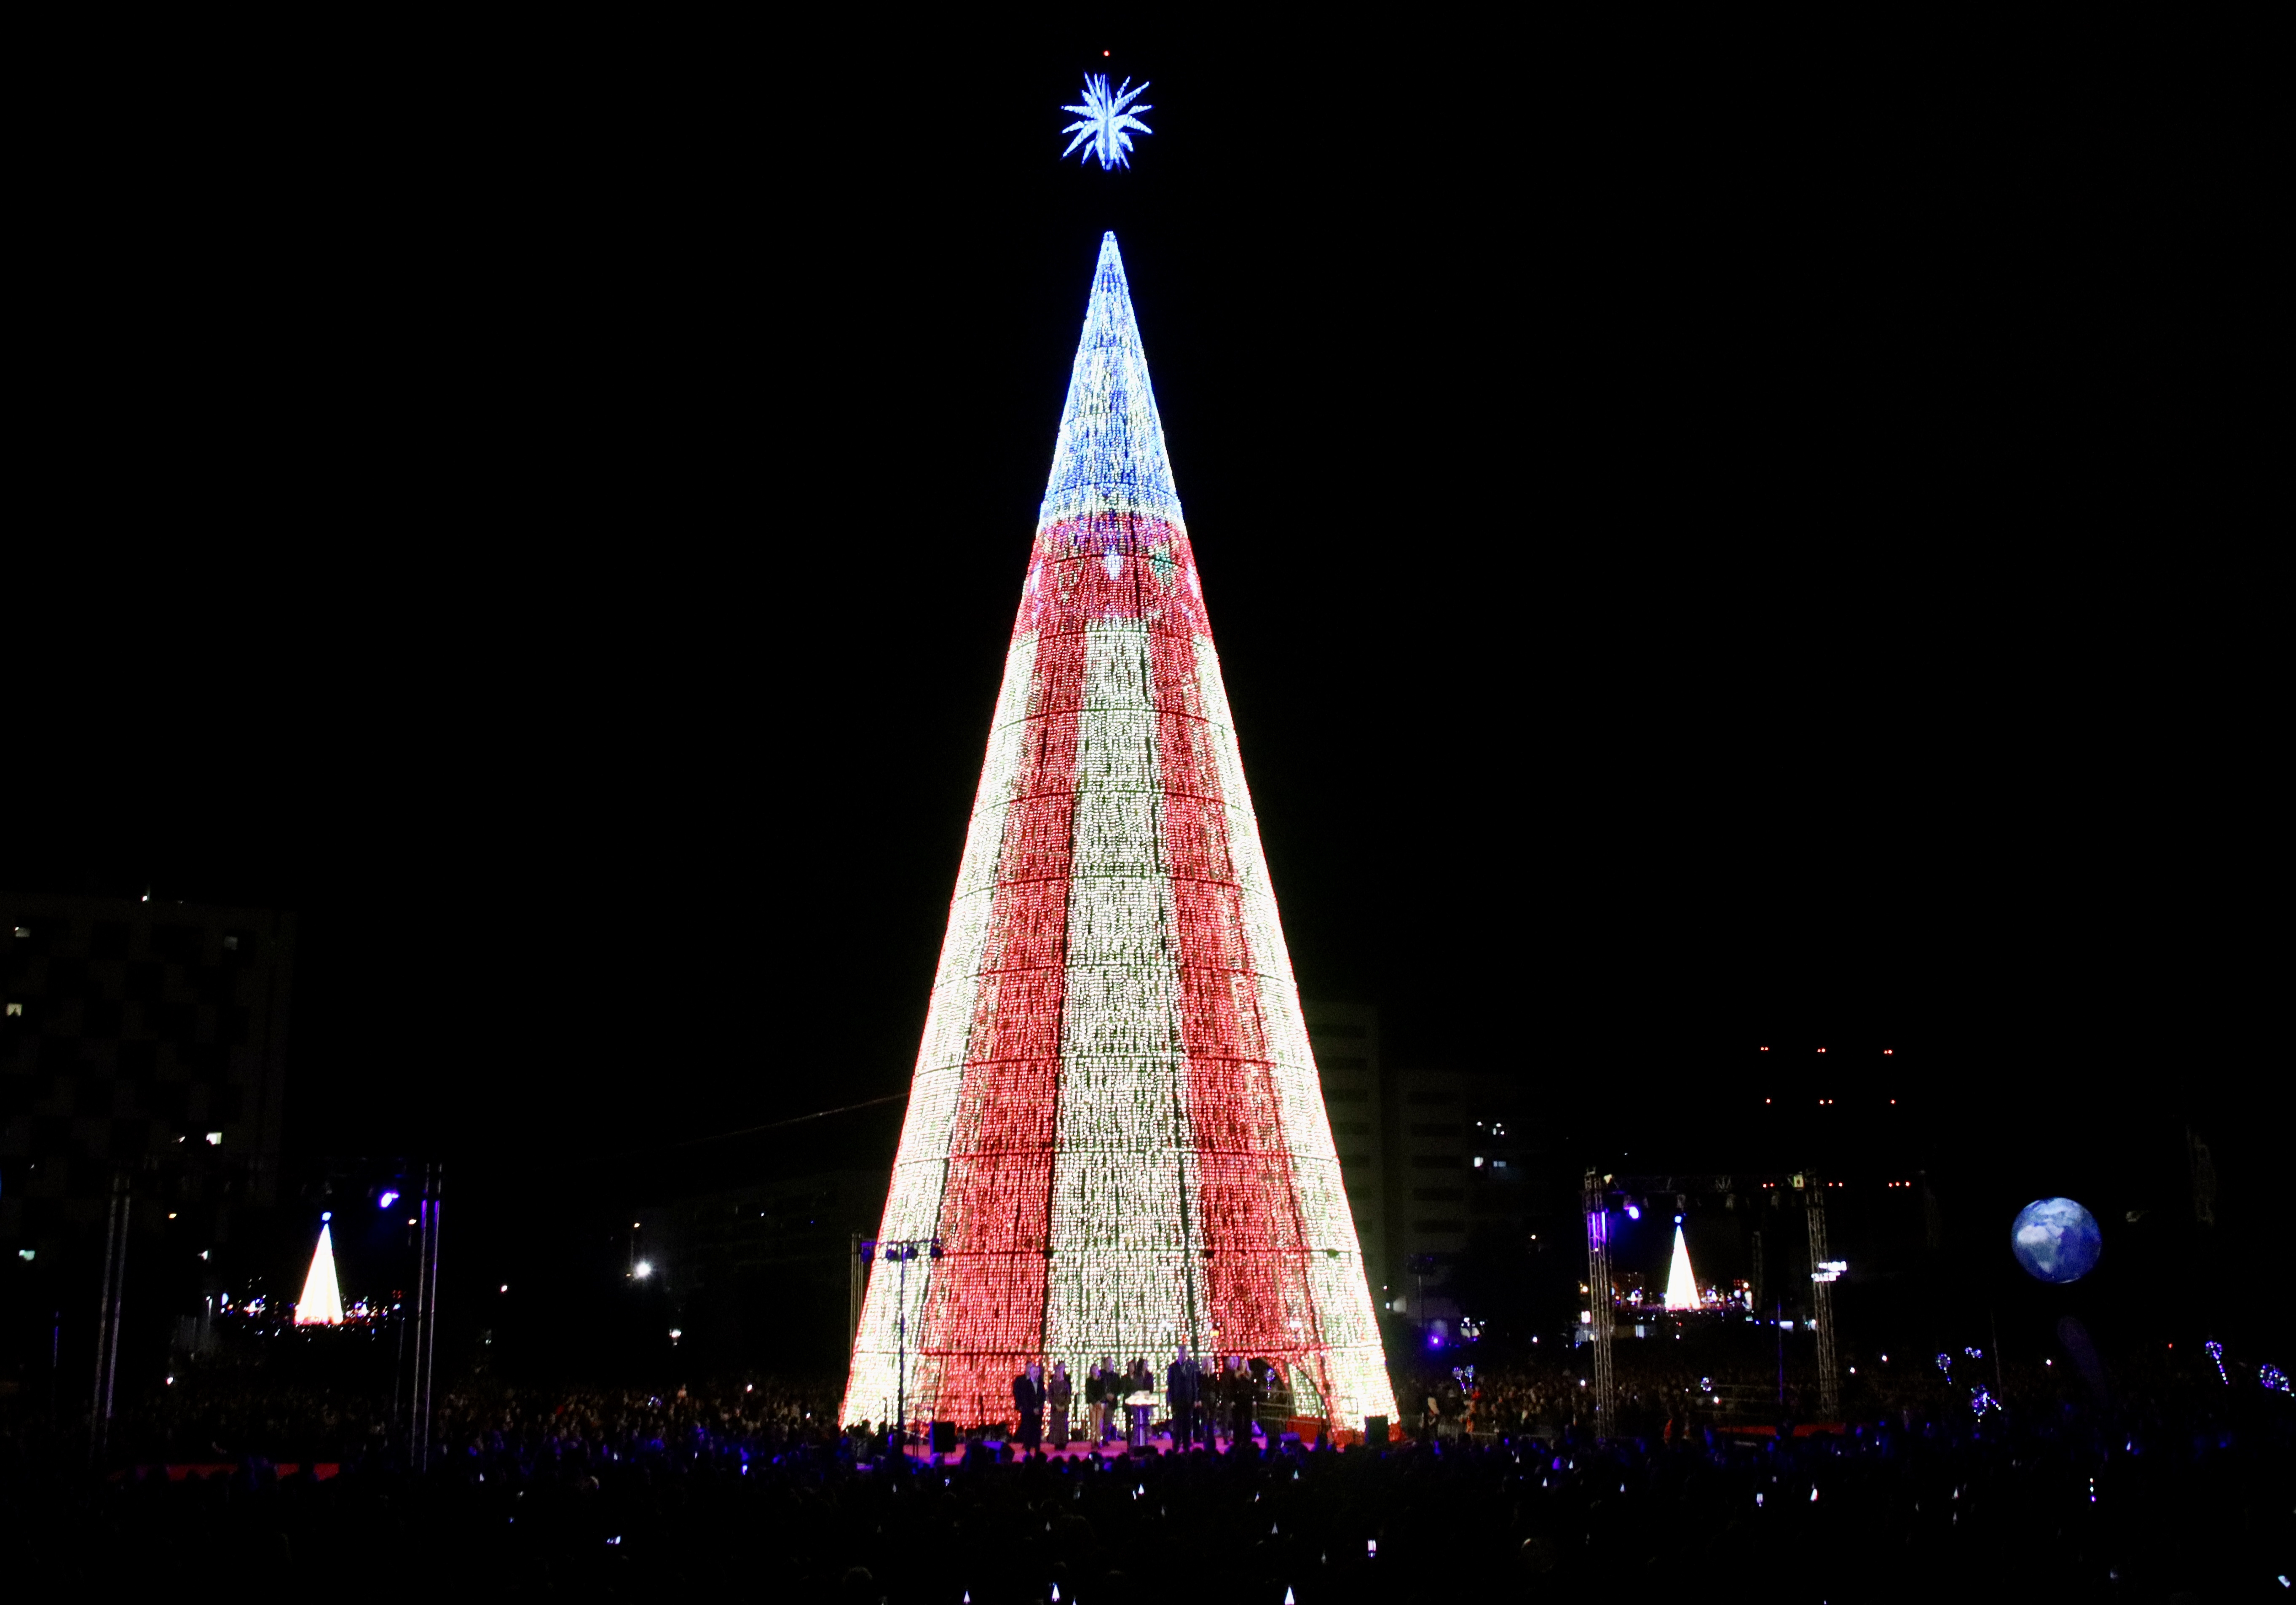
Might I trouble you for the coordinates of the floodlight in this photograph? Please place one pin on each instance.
(643, 1269)
(389, 1197)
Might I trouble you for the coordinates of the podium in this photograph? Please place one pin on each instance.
(1138, 1407)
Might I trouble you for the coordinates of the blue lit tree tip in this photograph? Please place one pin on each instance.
(1103, 121)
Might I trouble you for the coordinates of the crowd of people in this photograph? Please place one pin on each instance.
(2171, 1483)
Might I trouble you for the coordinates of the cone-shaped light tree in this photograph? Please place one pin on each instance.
(322, 1303)
(1115, 1133)
(1681, 1281)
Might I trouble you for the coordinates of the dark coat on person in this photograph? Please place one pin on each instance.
(1029, 1399)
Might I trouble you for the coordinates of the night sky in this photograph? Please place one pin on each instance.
(1706, 549)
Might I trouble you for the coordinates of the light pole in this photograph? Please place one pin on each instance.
(900, 1251)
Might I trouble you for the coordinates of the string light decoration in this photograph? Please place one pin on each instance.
(1115, 1128)
(322, 1303)
(1106, 121)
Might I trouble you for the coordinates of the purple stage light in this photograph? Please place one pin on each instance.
(389, 1197)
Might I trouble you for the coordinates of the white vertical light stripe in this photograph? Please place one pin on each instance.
(1125, 1251)
(1336, 1285)
(913, 1203)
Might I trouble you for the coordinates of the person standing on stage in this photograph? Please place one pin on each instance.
(1112, 1400)
(1058, 1391)
(1182, 1389)
(1095, 1394)
(1029, 1399)
(1241, 1400)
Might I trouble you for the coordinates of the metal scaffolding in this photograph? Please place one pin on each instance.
(1604, 1409)
(1820, 1299)
(1600, 1321)
(426, 1313)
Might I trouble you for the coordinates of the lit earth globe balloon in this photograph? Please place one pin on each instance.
(2057, 1240)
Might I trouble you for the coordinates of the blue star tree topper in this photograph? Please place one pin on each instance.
(1103, 118)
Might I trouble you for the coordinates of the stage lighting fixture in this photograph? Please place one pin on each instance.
(643, 1269)
(1634, 1211)
(324, 1214)
(389, 1197)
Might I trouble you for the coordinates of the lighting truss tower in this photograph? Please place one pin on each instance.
(1115, 1128)
(1598, 1301)
(1821, 1303)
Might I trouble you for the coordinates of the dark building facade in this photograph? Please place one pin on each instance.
(764, 1276)
(138, 1039)
(1346, 1039)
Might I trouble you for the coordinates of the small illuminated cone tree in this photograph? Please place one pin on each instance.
(1681, 1283)
(1115, 1130)
(322, 1303)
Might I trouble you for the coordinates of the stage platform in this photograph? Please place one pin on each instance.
(1162, 1444)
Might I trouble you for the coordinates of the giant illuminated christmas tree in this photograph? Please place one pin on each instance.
(1115, 1137)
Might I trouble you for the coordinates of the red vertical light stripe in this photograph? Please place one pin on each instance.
(1255, 1274)
(984, 1311)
